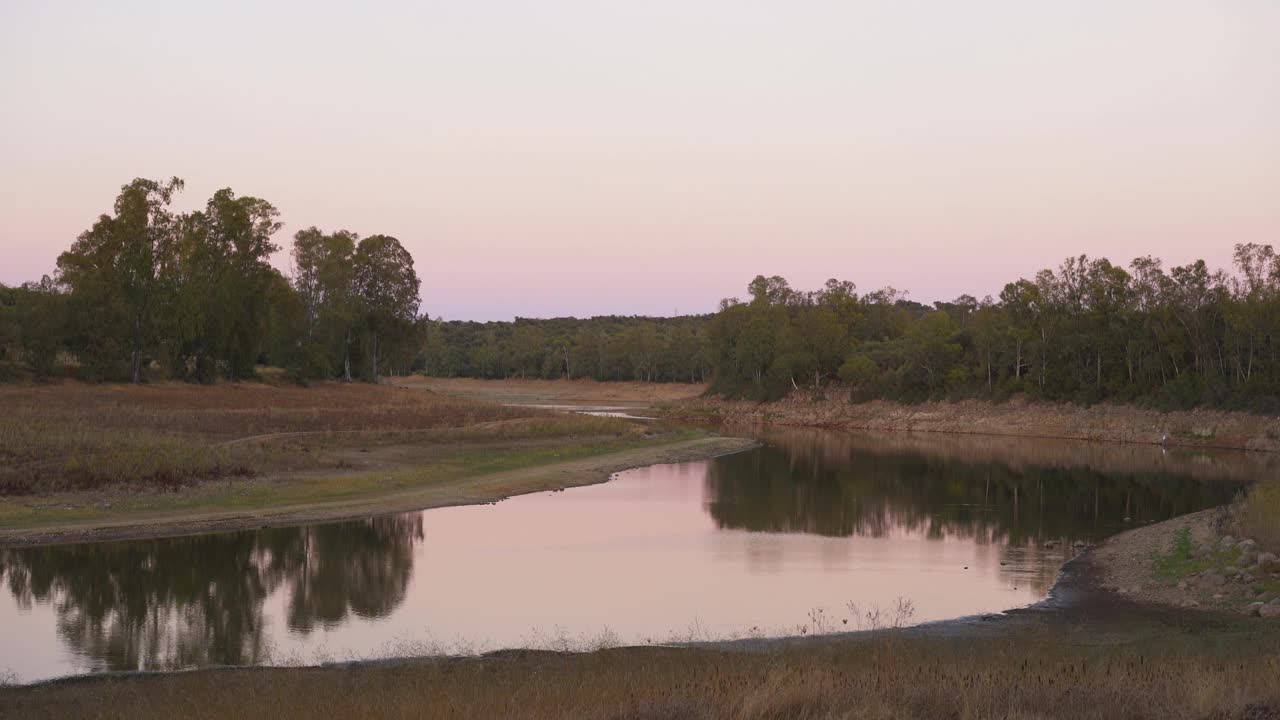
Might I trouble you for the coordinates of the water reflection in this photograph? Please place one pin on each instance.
(840, 485)
(164, 604)
(752, 540)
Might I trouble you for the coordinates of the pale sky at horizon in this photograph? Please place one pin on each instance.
(589, 157)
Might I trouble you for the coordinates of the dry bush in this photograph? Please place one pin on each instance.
(1258, 513)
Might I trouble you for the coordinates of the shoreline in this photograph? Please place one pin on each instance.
(1215, 572)
(1078, 602)
(1018, 418)
(474, 490)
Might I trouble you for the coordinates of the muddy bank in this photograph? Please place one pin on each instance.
(1018, 417)
(473, 490)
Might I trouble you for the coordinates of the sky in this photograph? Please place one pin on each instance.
(584, 157)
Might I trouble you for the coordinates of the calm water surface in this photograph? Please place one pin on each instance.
(750, 543)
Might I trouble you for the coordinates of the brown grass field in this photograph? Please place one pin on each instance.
(1043, 672)
(74, 436)
(76, 457)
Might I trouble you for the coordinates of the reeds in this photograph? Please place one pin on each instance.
(1041, 673)
(1258, 514)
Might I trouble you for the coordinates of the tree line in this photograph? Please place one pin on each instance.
(1086, 332)
(646, 349)
(148, 291)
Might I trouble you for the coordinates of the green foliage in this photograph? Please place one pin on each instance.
(196, 296)
(386, 292)
(1179, 560)
(603, 348)
(193, 295)
(1087, 332)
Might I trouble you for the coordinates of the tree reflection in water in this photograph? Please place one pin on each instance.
(163, 604)
(183, 602)
(840, 484)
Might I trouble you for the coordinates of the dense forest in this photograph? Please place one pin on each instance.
(148, 293)
(1087, 332)
(604, 348)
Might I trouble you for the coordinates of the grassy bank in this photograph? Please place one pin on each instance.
(1041, 672)
(108, 461)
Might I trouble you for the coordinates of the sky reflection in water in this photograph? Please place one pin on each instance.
(745, 543)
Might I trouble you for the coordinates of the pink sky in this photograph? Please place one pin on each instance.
(595, 157)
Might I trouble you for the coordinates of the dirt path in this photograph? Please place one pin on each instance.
(567, 392)
(472, 490)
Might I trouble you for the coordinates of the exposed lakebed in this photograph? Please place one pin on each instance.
(804, 534)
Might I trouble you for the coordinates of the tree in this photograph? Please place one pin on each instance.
(8, 323)
(39, 323)
(324, 278)
(386, 288)
(219, 282)
(113, 272)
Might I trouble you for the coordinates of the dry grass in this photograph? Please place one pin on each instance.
(75, 437)
(576, 392)
(1258, 514)
(1032, 674)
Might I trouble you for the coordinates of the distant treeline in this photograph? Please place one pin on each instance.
(604, 348)
(148, 292)
(1087, 332)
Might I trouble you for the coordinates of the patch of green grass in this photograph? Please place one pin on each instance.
(1194, 436)
(1181, 561)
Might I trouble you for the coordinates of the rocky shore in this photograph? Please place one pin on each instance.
(1193, 561)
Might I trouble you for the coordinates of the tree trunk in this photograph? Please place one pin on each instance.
(375, 357)
(346, 359)
(1044, 356)
(1249, 373)
(135, 362)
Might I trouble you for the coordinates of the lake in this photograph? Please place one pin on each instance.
(812, 532)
